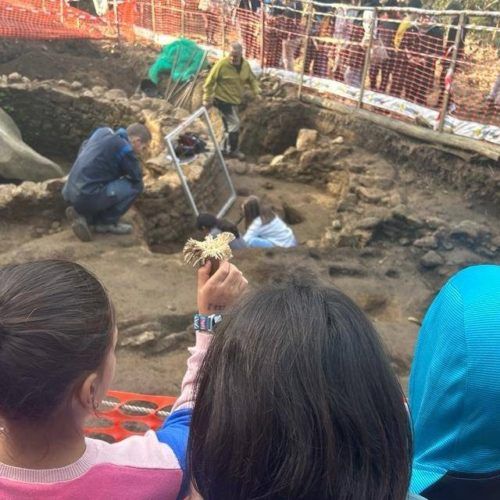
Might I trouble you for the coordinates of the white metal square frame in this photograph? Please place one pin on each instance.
(200, 113)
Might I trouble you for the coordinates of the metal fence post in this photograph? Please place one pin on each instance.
(368, 57)
(153, 16)
(262, 36)
(183, 18)
(117, 20)
(446, 100)
(310, 14)
(223, 7)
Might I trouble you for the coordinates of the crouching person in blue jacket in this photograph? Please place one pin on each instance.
(105, 180)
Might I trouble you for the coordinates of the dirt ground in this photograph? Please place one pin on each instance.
(91, 63)
(384, 277)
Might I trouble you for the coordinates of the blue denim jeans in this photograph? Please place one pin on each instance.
(259, 243)
(107, 206)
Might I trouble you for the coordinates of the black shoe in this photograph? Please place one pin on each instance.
(78, 224)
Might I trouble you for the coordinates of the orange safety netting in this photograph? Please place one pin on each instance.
(124, 414)
(55, 19)
(331, 44)
(327, 48)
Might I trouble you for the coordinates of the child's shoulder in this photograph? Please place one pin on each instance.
(135, 451)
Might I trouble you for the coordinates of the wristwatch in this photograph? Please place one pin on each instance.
(204, 323)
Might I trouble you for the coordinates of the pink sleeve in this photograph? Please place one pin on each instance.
(186, 399)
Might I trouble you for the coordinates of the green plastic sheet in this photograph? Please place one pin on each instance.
(180, 59)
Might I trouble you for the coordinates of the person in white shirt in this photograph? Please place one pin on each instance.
(264, 229)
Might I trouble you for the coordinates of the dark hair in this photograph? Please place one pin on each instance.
(296, 399)
(227, 226)
(140, 131)
(56, 324)
(206, 220)
(252, 208)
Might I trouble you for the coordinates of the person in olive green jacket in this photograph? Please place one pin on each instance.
(224, 89)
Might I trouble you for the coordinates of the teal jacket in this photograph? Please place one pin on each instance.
(455, 390)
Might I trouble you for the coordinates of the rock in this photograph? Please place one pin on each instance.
(393, 200)
(56, 225)
(348, 203)
(290, 151)
(357, 169)
(496, 242)
(76, 86)
(469, 231)
(375, 181)
(306, 139)
(427, 242)
(448, 245)
(338, 140)
(277, 160)
(181, 114)
(336, 224)
(98, 91)
(14, 77)
(431, 260)
(268, 185)
(435, 222)
(115, 94)
(392, 273)
(265, 159)
(147, 337)
(368, 223)
(340, 269)
(370, 195)
(17, 160)
(404, 242)
(25, 79)
(237, 167)
(88, 93)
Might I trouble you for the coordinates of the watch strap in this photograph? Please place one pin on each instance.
(206, 323)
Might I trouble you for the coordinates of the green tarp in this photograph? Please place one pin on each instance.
(181, 59)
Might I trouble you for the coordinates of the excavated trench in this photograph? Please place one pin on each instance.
(55, 117)
(368, 207)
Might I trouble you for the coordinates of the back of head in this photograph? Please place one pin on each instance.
(455, 380)
(251, 209)
(206, 221)
(296, 399)
(227, 226)
(140, 132)
(56, 324)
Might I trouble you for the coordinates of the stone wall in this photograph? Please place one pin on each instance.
(56, 116)
(165, 208)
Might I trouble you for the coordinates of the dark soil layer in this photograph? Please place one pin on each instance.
(91, 63)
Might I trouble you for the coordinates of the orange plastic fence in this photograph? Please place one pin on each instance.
(124, 414)
(53, 19)
(326, 42)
